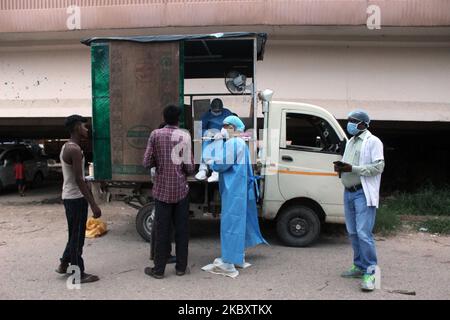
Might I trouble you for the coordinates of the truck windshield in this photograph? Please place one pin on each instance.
(310, 133)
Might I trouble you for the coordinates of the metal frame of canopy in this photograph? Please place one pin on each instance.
(207, 56)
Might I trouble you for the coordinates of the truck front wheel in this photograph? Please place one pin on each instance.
(298, 226)
(144, 221)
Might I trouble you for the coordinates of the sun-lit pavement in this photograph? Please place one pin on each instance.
(33, 235)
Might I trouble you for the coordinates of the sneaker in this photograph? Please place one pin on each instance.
(150, 272)
(62, 268)
(182, 273)
(353, 272)
(368, 282)
(86, 278)
(214, 177)
(201, 175)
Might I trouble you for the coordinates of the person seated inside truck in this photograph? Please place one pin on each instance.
(239, 227)
(211, 125)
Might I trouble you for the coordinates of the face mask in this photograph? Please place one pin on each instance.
(352, 128)
(218, 113)
(225, 133)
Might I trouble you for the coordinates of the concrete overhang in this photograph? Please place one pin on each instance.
(25, 20)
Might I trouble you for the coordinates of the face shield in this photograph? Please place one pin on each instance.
(228, 131)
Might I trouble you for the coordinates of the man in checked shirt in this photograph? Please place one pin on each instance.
(169, 150)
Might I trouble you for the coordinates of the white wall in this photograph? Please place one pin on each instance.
(44, 82)
(392, 83)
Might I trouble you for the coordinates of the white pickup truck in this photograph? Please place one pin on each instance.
(293, 153)
(299, 188)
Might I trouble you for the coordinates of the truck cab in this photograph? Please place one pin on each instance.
(301, 190)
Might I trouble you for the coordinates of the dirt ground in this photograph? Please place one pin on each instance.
(33, 233)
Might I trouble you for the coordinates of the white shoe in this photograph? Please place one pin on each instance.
(201, 175)
(214, 177)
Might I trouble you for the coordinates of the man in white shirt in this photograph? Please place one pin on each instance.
(360, 172)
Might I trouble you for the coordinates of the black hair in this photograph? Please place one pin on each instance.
(171, 115)
(72, 121)
(71, 127)
(216, 103)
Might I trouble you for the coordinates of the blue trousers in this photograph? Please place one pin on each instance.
(360, 220)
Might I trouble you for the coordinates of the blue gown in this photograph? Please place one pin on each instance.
(210, 121)
(239, 228)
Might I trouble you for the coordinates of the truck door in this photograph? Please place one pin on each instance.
(308, 147)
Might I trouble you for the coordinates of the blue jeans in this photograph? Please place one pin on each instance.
(360, 220)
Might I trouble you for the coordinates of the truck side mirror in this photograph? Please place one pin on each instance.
(319, 142)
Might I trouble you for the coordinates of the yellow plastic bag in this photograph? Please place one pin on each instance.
(95, 228)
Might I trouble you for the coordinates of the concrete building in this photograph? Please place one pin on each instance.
(326, 52)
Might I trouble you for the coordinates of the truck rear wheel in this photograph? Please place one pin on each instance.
(298, 226)
(144, 221)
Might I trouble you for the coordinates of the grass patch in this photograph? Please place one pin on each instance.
(436, 225)
(429, 200)
(387, 221)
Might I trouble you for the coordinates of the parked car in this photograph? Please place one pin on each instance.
(36, 169)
